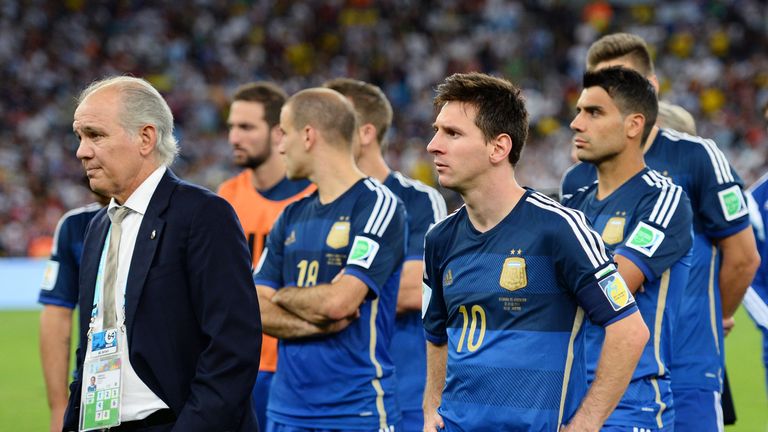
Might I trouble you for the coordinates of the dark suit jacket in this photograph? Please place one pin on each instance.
(192, 315)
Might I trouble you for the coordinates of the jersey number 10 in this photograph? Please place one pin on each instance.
(478, 314)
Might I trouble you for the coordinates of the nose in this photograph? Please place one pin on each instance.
(233, 136)
(434, 145)
(84, 150)
(576, 124)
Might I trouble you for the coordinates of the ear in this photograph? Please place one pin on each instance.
(367, 133)
(634, 125)
(499, 148)
(309, 137)
(275, 135)
(654, 82)
(148, 139)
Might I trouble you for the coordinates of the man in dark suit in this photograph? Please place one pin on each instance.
(166, 268)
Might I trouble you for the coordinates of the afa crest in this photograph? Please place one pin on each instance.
(338, 236)
(513, 274)
(614, 230)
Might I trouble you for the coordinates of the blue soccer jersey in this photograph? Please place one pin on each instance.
(345, 380)
(425, 207)
(756, 298)
(719, 210)
(510, 304)
(648, 221)
(60, 280)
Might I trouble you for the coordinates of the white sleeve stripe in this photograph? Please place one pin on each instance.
(439, 210)
(73, 212)
(390, 214)
(717, 158)
(673, 208)
(657, 206)
(756, 307)
(376, 207)
(659, 179)
(725, 167)
(383, 210)
(665, 198)
(590, 242)
(386, 207)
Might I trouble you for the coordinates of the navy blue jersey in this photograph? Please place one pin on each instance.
(510, 303)
(647, 220)
(759, 198)
(719, 210)
(425, 207)
(345, 380)
(60, 280)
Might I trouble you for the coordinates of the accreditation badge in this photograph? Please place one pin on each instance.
(513, 274)
(101, 393)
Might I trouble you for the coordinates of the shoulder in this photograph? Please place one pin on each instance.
(694, 148)
(760, 187)
(445, 228)
(74, 223)
(661, 196)
(233, 184)
(575, 178)
(414, 192)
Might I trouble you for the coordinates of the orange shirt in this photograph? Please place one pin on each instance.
(257, 214)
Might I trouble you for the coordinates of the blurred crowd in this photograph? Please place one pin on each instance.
(711, 57)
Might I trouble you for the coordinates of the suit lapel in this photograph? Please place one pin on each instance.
(147, 241)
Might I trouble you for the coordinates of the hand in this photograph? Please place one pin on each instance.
(337, 326)
(338, 276)
(728, 324)
(432, 421)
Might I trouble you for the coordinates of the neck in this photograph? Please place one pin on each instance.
(268, 174)
(373, 165)
(651, 138)
(613, 173)
(334, 175)
(485, 213)
(146, 169)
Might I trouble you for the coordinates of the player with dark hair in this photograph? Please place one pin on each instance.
(260, 192)
(328, 279)
(508, 281)
(424, 207)
(646, 221)
(724, 259)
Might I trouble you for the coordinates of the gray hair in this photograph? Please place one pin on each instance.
(141, 104)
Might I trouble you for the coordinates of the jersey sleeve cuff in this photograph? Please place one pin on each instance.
(373, 287)
(639, 262)
(434, 338)
(413, 258)
(53, 301)
(727, 232)
(627, 312)
(266, 282)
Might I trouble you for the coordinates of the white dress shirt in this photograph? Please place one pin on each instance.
(138, 401)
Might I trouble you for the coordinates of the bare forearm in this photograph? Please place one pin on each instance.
(281, 323)
(437, 358)
(306, 303)
(55, 346)
(409, 294)
(621, 351)
(738, 263)
(734, 281)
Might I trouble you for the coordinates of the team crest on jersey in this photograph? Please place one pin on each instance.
(732, 203)
(614, 230)
(50, 274)
(448, 278)
(645, 239)
(513, 274)
(363, 252)
(616, 291)
(338, 236)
